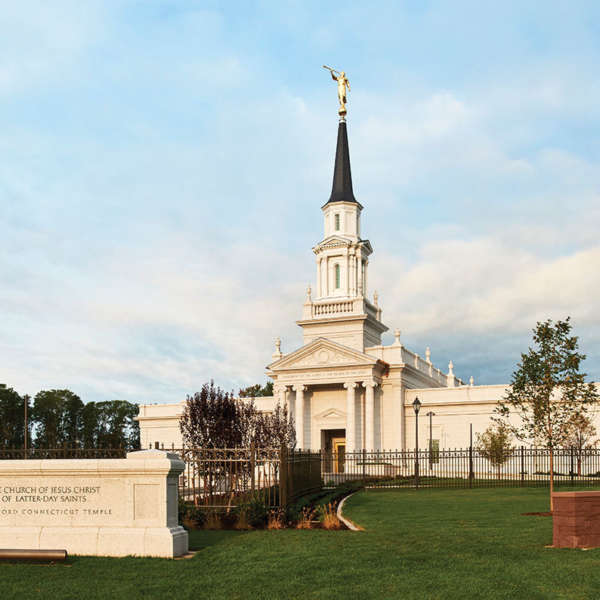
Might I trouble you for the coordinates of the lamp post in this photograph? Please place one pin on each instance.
(416, 408)
(25, 425)
(430, 414)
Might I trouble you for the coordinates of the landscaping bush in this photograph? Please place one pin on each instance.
(328, 516)
(191, 516)
(254, 512)
(321, 498)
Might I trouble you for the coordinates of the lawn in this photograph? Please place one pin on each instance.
(426, 544)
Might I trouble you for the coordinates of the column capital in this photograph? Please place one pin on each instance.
(370, 383)
(299, 388)
(350, 385)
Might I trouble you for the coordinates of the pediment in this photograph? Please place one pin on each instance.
(322, 353)
(330, 413)
(334, 241)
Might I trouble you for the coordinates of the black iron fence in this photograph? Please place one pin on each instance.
(465, 467)
(223, 478)
(219, 478)
(226, 477)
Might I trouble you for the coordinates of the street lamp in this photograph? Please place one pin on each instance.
(25, 424)
(417, 408)
(430, 414)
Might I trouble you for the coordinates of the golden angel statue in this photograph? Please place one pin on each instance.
(343, 83)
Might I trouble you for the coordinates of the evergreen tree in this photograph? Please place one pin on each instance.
(57, 418)
(12, 417)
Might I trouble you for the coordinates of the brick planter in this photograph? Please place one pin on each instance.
(576, 519)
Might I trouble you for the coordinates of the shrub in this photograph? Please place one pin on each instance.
(276, 519)
(191, 516)
(306, 517)
(254, 512)
(328, 516)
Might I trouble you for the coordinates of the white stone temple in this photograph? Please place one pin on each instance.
(345, 389)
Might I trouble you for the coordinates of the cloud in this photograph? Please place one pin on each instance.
(484, 294)
(164, 169)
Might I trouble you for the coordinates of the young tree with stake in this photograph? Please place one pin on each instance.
(494, 445)
(580, 435)
(547, 389)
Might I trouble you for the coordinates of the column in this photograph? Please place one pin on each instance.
(347, 273)
(351, 275)
(284, 397)
(369, 414)
(327, 276)
(299, 389)
(402, 420)
(359, 271)
(350, 417)
(319, 283)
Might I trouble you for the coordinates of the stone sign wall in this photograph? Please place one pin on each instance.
(105, 507)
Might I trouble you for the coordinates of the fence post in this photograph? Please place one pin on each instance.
(283, 476)
(572, 465)
(416, 468)
(471, 474)
(364, 457)
(252, 466)
(522, 466)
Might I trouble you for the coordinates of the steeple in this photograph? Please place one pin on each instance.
(341, 190)
(340, 309)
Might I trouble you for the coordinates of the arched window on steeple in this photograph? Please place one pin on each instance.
(337, 277)
(337, 222)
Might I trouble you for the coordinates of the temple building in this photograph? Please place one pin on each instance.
(346, 389)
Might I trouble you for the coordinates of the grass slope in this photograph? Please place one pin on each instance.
(428, 544)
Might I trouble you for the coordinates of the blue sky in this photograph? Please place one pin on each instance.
(163, 165)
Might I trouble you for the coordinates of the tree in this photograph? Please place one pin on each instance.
(90, 425)
(494, 444)
(547, 389)
(215, 419)
(209, 419)
(12, 417)
(57, 418)
(279, 428)
(110, 424)
(257, 391)
(580, 435)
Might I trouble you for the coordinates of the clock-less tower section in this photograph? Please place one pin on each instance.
(340, 310)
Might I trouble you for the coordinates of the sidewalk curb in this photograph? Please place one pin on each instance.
(349, 524)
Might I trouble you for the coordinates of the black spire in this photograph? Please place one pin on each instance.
(342, 177)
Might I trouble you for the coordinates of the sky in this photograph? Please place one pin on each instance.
(163, 165)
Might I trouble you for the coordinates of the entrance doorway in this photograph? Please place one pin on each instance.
(339, 454)
(333, 443)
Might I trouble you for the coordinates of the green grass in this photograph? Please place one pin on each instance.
(428, 544)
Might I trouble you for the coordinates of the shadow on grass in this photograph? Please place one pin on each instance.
(206, 538)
